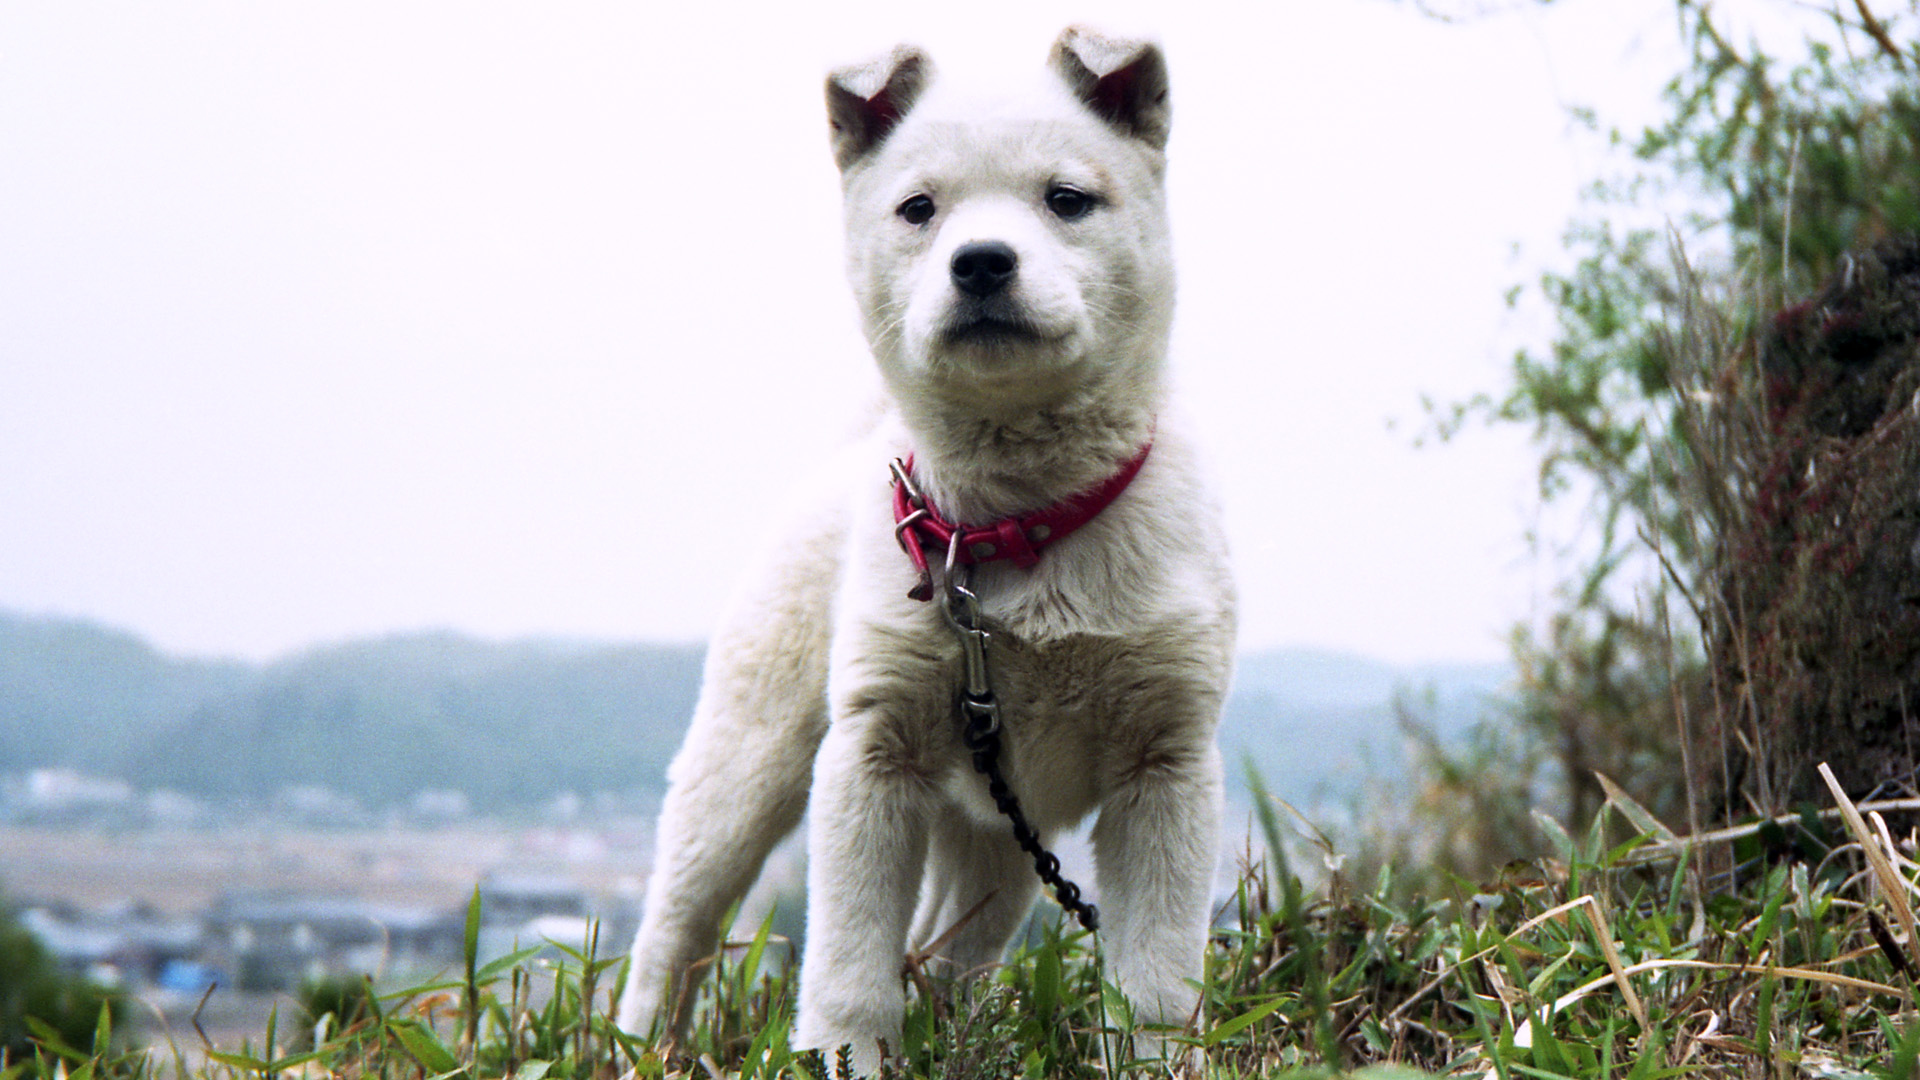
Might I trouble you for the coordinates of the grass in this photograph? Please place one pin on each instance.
(1773, 950)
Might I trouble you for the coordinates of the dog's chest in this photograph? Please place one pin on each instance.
(1065, 707)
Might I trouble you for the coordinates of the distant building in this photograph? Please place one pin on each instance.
(317, 804)
(523, 910)
(269, 942)
(273, 942)
(441, 806)
(130, 945)
(515, 899)
(53, 796)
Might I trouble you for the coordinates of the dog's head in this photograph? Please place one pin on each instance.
(1009, 248)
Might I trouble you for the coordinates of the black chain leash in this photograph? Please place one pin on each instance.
(981, 735)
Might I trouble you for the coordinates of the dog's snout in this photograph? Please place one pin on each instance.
(982, 268)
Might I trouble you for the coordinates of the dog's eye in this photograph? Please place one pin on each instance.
(916, 211)
(1069, 203)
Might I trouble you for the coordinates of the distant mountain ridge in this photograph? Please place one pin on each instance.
(378, 719)
(515, 722)
(1319, 723)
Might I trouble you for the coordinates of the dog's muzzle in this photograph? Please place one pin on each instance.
(986, 309)
(983, 268)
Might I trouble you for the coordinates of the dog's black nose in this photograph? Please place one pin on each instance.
(982, 268)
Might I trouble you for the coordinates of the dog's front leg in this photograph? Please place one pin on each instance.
(1155, 845)
(866, 845)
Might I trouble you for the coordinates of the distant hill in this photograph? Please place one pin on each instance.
(517, 722)
(83, 696)
(1316, 723)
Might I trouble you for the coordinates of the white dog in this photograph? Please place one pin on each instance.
(1010, 258)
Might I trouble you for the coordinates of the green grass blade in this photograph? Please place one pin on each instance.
(293, 1061)
(273, 1035)
(750, 964)
(103, 1029)
(243, 1062)
(470, 944)
(1542, 1074)
(470, 993)
(1263, 812)
(1770, 916)
(1903, 1057)
(1652, 1053)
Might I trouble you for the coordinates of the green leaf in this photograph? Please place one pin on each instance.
(45, 1035)
(1547, 1053)
(1229, 1028)
(495, 968)
(1641, 818)
(424, 1046)
(1556, 835)
(421, 990)
(532, 1070)
(1047, 980)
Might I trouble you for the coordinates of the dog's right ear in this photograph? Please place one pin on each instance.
(1123, 80)
(866, 101)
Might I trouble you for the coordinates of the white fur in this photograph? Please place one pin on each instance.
(1111, 657)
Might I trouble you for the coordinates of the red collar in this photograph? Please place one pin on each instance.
(1018, 539)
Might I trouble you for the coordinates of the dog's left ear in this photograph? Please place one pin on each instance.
(866, 101)
(1123, 80)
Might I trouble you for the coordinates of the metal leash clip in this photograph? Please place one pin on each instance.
(981, 732)
(962, 609)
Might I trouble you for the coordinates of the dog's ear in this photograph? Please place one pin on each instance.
(1123, 80)
(866, 101)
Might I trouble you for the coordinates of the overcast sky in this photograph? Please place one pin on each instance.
(321, 320)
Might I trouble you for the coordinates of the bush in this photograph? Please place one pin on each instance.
(1772, 174)
(335, 1003)
(35, 993)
